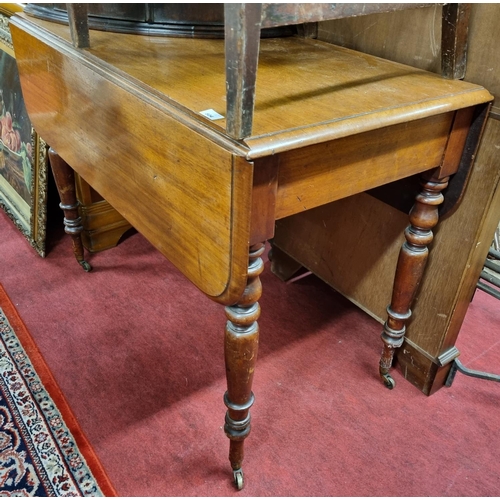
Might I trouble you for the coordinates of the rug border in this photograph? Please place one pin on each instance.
(56, 394)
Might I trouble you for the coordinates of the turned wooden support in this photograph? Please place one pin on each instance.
(240, 351)
(410, 267)
(64, 177)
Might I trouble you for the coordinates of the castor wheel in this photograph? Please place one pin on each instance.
(238, 478)
(388, 381)
(85, 265)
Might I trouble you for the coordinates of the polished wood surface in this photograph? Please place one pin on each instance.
(302, 103)
(241, 344)
(243, 23)
(319, 174)
(410, 268)
(414, 38)
(174, 184)
(125, 114)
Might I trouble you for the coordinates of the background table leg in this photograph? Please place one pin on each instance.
(410, 268)
(240, 351)
(64, 177)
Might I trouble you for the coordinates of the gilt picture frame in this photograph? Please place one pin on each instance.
(23, 154)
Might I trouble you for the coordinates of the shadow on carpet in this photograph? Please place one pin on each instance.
(43, 451)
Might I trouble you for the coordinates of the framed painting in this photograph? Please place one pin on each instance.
(23, 154)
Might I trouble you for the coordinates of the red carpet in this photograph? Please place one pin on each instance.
(53, 465)
(138, 353)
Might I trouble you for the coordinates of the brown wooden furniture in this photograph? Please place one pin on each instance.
(328, 123)
(324, 240)
(103, 226)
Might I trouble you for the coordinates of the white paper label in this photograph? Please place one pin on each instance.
(211, 114)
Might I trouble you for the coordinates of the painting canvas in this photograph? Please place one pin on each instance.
(23, 155)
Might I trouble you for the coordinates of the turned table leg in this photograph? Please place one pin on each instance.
(64, 177)
(240, 352)
(410, 268)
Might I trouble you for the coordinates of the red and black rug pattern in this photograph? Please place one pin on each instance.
(39, 454)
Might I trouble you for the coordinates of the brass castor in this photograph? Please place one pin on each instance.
(388, 381)
(238, 479)
(85, 265)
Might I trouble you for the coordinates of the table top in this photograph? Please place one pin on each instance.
(308, 91)
(126, 116)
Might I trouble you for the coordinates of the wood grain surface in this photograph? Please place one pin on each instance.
(172, 184)
(308, 91)
(315, 175)
(414, 38)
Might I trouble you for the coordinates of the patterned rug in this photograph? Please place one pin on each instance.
(43, 451)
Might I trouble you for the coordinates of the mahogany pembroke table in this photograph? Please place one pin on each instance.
(172, 133)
